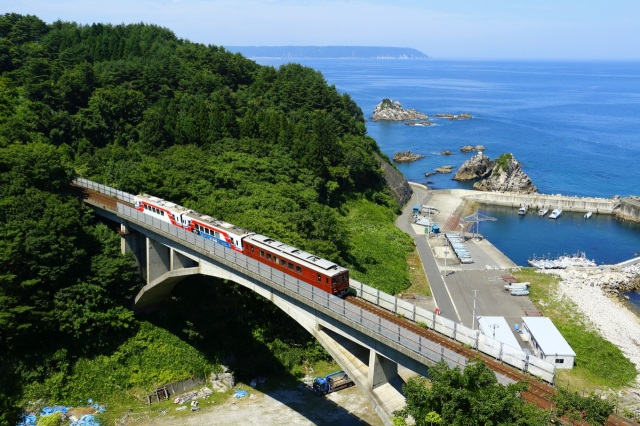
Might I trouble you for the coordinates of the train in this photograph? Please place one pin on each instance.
(316, 271)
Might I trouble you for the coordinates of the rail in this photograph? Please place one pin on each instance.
(514, 357)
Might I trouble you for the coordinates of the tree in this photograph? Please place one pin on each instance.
(591, 408)
(469, 397)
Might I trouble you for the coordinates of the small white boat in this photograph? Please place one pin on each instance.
(555, 213)
(523, 209)
(543, 211)
(587, 215)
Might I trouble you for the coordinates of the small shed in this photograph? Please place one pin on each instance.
(416, 209)
(498, 328)
(547, 342)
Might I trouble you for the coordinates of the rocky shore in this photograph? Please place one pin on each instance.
(595, 291)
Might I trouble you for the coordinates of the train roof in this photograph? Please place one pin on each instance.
(162, 203)
(321, 263)
(212, 221)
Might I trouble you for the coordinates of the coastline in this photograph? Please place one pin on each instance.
(586, 288)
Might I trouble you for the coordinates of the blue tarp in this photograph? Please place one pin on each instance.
(240, 393)
(29, 420)
(87, 420)
(56, 408)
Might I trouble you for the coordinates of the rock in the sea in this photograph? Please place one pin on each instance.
(476, 167)
(445, 169)
(507, 176)
(389, 110)
(469, 148)
(406, 156)
(445, 153)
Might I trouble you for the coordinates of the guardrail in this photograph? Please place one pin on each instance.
(514, 357)
(278, 280)
(488, 345)
(107, 190)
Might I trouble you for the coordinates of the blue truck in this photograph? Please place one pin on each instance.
(331, 383)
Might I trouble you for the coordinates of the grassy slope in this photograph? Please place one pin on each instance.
(599, 363)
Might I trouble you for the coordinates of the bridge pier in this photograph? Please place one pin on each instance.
(381, 370)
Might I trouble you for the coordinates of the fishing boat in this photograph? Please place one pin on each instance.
(523, 209)
(555, 213)
(587, 215)
(543, 211)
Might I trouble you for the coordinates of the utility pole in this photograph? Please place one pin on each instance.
(446, 253)
(473, 317)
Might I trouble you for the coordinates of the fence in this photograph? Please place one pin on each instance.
(278, 280)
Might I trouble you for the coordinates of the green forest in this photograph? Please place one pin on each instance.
(276, 151)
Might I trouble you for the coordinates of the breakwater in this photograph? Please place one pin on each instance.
(629, 209)
(537, 201)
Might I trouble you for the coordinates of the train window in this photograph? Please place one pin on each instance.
(290, 265)
(251, 249)
(319, 278)
(298, 269)
(275, 259)
(283, 262)
(217, 234)
(261, 253)
(268, 256)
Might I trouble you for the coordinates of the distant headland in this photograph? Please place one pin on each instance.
(328, 52)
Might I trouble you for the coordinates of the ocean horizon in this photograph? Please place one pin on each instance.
(573, 125)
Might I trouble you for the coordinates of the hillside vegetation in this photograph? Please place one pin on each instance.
(276, 151)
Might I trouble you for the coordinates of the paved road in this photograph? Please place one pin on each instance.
(460, 289)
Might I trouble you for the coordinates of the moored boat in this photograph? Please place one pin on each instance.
(523, 209)
(543, 211)
(555, 213)
(587, 215)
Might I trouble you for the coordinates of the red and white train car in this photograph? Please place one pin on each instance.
(163, 210)
(318, 272)
(219, 231)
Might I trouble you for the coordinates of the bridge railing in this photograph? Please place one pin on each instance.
(488, 345)
(278, 280)
(104, 189)
(509, 355)
(485, 344)
(374, 323)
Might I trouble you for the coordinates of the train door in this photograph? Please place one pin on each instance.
(186, 222)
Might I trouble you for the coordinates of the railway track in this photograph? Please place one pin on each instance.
(539, 393)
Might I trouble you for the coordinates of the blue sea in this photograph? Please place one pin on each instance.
(574, 127)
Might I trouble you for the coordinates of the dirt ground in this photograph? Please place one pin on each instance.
(281, 407)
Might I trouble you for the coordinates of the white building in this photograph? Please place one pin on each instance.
(498, 328)
(547, 342)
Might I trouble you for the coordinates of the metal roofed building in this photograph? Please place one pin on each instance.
(547, 342)
(498, 328)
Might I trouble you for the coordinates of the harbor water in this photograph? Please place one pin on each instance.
(574, 127)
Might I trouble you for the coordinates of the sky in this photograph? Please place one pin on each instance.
(442, 29)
